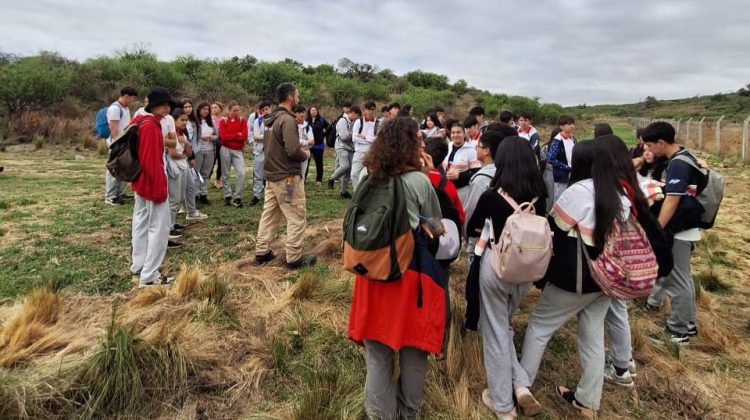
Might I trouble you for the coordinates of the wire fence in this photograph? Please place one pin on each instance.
(725, 139)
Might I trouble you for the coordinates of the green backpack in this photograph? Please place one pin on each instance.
(378, 240)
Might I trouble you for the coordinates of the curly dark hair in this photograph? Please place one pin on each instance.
(396, 149)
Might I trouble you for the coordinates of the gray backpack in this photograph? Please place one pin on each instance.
(710, 195)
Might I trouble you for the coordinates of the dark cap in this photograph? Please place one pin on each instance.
(159, 96)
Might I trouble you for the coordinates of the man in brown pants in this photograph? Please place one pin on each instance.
(285, 190)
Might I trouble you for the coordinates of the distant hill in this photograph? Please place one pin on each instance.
(734, 106)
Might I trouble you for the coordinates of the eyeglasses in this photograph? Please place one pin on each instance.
(481, 146)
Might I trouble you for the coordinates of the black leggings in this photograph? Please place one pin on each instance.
(217, 161)
(318, 156)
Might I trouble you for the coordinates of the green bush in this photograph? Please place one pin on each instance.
(48, 80)
(33, 82)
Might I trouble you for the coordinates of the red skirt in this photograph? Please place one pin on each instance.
(408, 312)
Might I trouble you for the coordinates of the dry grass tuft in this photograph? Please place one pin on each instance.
(148, 297)
(214, 290)
(33, 331)
(187, 281)
(714, 337)
(330, 248)
(306, 287)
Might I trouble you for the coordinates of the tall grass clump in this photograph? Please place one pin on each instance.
(128, 376)
(214, 307)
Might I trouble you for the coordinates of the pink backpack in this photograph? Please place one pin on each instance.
(524, 249)
(626, 267)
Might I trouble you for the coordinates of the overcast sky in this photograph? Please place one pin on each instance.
(564, 51)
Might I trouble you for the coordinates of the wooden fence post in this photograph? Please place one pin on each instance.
(700, 133)
(718, 135)
(687, 131)
(745, 134)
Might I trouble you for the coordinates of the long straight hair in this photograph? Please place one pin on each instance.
(612, 167)
(583, 157)
(197, 112)
(622, 165)
(517, 171)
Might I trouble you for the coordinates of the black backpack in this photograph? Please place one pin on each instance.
(123, 161)
(331, 132)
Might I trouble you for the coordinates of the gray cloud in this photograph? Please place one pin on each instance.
(568, 51)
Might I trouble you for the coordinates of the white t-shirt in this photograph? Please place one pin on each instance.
(206, 130)
(140, 111)
(181, 163)
(167, 126)
(117, 112)
(569, 144)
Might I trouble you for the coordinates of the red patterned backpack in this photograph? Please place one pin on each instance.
(626, 267)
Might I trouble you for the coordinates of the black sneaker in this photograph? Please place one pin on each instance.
(673, 336)
(237, 202)
(203, 199)
(345, 195)
(254, 201)
(227, 201)
(264, 258)
(175, 233)
(692, 330)
(178, 227)
(306, 260)
(114, 201)
(173, 245)
(650, 309)
(126, 196)
(330, 184)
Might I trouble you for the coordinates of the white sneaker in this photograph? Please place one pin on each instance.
(198, 215)
(161, 281)
(610, 374)
(181, 210)
(510, 415)
(631, 363)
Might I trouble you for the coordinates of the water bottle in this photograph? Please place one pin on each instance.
(289, 189)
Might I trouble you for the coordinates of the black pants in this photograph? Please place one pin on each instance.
(217, 161)
(318, 156)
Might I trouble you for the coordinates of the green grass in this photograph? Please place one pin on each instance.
(55, 225)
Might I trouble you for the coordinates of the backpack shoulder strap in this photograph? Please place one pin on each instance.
(443, 182)
(509, 200)
(361, 124)
(683, 158)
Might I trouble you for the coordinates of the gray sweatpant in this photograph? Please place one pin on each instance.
(383, 398)
(150, 235)
(680, 288)
(549, 183)
(177, 188)
(343, 168)
(204, 163)
(232, 158)
(618, 329)
(497, 303)
(259, 175)
(554, 309)
(113, 187)
(190, 190)
(358, 164)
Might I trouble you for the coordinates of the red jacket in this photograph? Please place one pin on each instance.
(233, 133)
(152, 183)
(450, 191)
